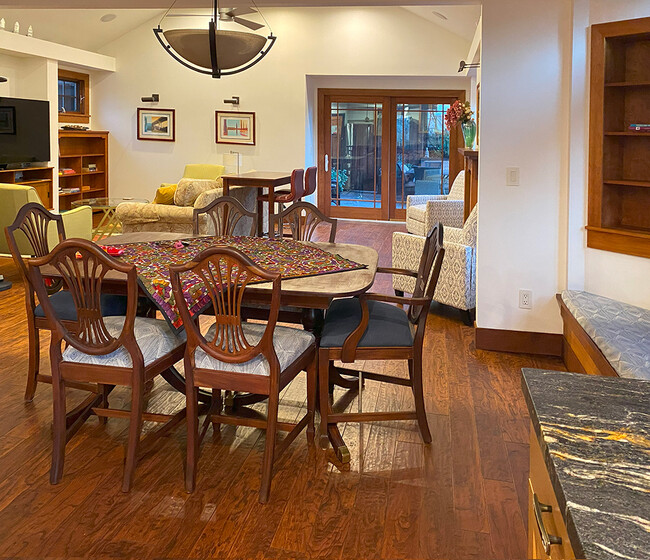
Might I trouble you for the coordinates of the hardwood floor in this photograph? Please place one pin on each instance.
(462, 497)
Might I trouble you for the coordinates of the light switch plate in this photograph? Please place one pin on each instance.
(512, 176)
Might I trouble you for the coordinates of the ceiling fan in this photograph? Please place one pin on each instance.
(232, 14)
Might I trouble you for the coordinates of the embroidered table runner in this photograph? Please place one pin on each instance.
(291, 258)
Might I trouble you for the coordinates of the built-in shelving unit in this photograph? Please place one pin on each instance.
(619, 158)
(78, 150)
(41, 178)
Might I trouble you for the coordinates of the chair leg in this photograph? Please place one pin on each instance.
(324, 394)
(312, 374)
(216, 406)
(135, 427)
(415, 369)
(34, 358)
(59, 429)
(269, 447)
(192, 398)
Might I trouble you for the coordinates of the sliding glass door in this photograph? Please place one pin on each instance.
(376, 148)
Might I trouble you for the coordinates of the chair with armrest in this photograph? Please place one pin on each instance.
(224, 214)
(109, 351)
(238, 356)
(424, 211)
(31, 234)
(368, 327)
(457, 284)
(303, 219)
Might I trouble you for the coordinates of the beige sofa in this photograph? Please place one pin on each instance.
(136, 217)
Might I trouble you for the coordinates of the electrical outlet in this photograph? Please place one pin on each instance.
(526, 299)
(512, 176)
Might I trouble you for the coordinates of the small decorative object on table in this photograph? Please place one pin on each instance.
(461, 112)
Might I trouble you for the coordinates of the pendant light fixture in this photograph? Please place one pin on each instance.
(215, 51)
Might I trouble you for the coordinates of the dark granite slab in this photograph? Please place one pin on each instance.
(595, 436)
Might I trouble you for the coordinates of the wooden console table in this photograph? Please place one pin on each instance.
(471, 179)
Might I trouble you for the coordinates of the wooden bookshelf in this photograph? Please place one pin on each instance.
(41, 178)
(78, 149)
(619, 158)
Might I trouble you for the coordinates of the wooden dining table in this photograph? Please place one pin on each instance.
(259, 180)
(310, 292)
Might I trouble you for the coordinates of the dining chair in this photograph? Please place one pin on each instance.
(224, 214)
(117, 350)
(238, 356)
(302, 218)
(368, 327)
(311, 176)
(285, 196)
(30, 231)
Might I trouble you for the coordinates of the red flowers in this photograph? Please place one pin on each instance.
(458, 113)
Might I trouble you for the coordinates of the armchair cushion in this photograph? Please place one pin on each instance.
(289, 345)
(388, 325)
(154, 337)
(65, 309)
(188, 190)
(165, 193)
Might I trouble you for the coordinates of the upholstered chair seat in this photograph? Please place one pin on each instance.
(388, 325)
(153, 336)
(289, 345)
(65, 309)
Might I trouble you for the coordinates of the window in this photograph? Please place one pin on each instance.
(73, 97)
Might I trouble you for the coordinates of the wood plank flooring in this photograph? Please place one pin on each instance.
(462, 497)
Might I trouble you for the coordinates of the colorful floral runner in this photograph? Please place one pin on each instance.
(291, 258)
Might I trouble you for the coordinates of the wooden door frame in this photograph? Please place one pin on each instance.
(389, 99)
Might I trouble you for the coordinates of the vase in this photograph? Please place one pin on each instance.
(469, 134)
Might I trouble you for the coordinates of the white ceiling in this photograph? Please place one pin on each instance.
(83, 28)
(164, 4)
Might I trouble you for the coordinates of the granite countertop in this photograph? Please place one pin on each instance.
(596, 444)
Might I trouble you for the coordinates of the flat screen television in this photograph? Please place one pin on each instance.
(24, 131)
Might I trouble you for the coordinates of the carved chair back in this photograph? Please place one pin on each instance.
(83, 266)
(32, 222)
(303, 218)
(225, 273)
(428, 274)
(224, 214)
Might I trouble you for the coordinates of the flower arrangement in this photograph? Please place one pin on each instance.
(459, 112)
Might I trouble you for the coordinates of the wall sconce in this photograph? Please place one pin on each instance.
(2, 79)
(153, 99)
(233, 101)
(464, 65)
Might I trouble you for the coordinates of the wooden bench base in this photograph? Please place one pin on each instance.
(580, 353)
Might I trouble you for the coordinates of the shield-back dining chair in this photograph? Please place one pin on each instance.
(238, 356)
(224, 216)
(30, 231)
(118, 350)
(302, 219)
(367, 327)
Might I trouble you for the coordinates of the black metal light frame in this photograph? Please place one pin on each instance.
(215, 71)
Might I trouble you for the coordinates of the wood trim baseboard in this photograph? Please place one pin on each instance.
(520, 342)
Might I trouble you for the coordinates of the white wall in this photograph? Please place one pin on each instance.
(524, 67)
(621, 277)
(383, 42)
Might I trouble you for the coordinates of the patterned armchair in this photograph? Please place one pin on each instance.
(423, 211)
(457, 283)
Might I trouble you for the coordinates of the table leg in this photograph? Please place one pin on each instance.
(260, 218)
(271, 211)
(177, 381)
(341, 450)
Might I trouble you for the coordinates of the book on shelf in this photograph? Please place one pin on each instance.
(66, 171)
(71, 190)
(639, 127)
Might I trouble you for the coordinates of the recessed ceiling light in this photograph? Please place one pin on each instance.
(441, 16)
(107, 17)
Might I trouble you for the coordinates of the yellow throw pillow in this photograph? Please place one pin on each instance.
(165, 194)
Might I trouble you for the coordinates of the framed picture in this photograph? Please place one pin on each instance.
(234, 127)
(7, 120)
(157, 124)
